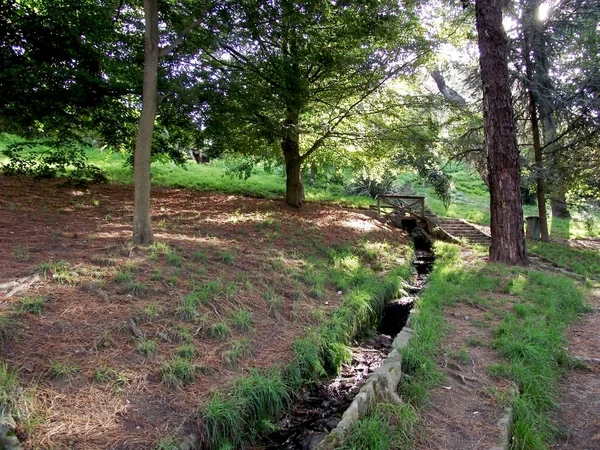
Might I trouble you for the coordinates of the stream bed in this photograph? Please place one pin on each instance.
(319, 409)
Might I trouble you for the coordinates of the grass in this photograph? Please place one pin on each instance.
(390, 426)
(219, 330)
(59, 271)
(15, 401)
(531, 338)
(534, 310)
(178, 372)
(147, 347)
(254, 401)
(107, 375)
(21, 252)
(59, 370)
(240, 348)
(241, 320)
(30, 305)
(584, 262)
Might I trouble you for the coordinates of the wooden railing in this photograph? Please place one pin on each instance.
(407, 205)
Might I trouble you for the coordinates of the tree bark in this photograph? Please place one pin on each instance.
(539, 166)
(508, 237)
(294, 188)
(142, 226)
(532, 85)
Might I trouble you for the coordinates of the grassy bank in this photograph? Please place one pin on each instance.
(246, 408)
(528, 312)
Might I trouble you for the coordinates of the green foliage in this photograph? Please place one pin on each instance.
(107, 375)
(240, 348)
(168, 443)
(51, 159)
(264, 395)
(532, 340)
(219, 330)
(13, 399)
(363, 184)
(21, 253)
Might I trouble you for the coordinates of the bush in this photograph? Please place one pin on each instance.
(372, 187)
(51, 159)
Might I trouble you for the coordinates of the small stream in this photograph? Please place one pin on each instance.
(319, 409)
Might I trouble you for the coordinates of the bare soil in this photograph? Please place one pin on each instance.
(464, 411)
(253, 250)
(579, 403)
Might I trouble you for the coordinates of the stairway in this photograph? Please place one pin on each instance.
(457, 229)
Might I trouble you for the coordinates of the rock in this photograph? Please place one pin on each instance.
(314, 440)
(8, 437)
(332, 423)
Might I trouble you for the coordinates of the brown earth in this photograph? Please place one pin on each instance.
(257, 253)
(465, 410)
(579, 402)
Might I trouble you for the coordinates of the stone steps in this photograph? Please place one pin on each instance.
(459, 229)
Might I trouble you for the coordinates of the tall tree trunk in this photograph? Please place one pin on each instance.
(508, 237)
(142, 226)
(539, 166)
(530, 35)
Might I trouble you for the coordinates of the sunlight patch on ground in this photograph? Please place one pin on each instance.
(359, 225)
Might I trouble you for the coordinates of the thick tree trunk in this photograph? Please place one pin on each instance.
(294, 188)
(508, 237)
(142, 226)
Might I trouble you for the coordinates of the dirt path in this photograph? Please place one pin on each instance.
(579, 416)
(465, 410)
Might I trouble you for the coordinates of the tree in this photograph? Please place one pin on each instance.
(508, 240)
(291, 74)
(142, 225)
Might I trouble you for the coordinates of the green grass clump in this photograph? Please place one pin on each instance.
(256, 399)
(178, 372)
(31, 305)
(186, 351)
(60, 370)
(146, 346)
(241, 320)
(240, 348)
(189, 304)
(107, 375)
(223, 420)
(59, 271)
(13, 398)
(219, 330)
(390, 426)
(167, 443)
